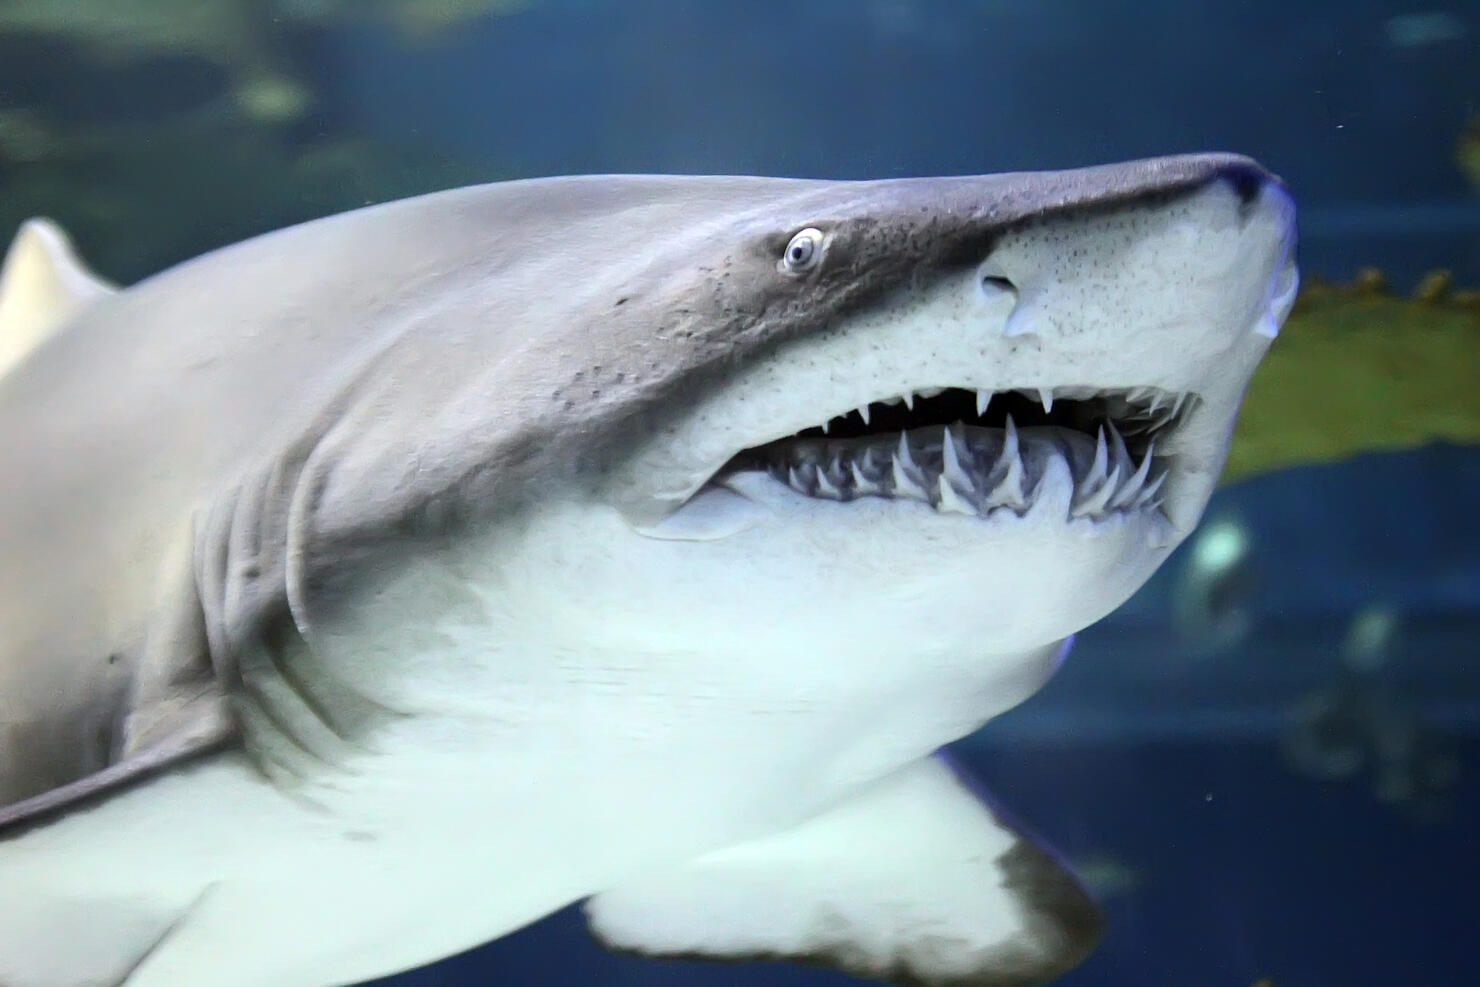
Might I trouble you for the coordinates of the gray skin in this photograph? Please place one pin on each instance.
(206, 470)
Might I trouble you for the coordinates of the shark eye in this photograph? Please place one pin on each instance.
(803, 252)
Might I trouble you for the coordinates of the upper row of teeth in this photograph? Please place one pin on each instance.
(959, 484)
(1153, 400)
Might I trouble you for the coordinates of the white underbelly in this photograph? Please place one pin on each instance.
(211, 877)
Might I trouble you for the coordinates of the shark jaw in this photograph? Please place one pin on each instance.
(969, 452)
(1062, 407)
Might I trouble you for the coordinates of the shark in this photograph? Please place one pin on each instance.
(375, 587)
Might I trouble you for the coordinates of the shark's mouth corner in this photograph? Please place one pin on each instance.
(976, 452)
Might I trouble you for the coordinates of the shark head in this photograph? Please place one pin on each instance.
(1010, 424)
(884, 443)
(957, 416)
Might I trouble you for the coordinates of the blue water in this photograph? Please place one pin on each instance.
(1359, 118)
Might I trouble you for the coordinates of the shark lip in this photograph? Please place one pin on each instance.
(976, 452)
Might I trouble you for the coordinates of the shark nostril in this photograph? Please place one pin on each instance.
(994, 283)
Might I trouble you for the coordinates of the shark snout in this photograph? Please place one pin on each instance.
(1146, 301)
(1271, 219)
(1173, 293)
(1178, 275)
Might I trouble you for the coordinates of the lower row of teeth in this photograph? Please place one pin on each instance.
(973, 471)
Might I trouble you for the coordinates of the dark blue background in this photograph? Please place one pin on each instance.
(1362, 122)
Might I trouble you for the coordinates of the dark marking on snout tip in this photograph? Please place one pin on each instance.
(1247, 180)
(1246, 177)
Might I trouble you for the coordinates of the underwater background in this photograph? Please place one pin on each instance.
(1266, 764)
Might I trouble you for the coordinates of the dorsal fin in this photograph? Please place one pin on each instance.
(42, 285)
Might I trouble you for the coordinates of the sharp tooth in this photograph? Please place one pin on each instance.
(862, 485)
(950, 444)
(1045, 397)
(826, 425)
(1123, 461)
(863, 413)
(1095, 503)
(983, 398)
(1005, 482)
(798, 481)
(826, 487)
(902, 453)
(1099, 469)
(1131, 488)
(1177, 405)
(905, 483)
(908, 479)
(1148, 495)
(909, 400)
(950, 501)
(1157, 400)
(1010, 439)
(1094, 493)
(1009, 493)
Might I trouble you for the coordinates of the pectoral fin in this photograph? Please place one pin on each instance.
(914, 881)
(42, 285)
(175, 710)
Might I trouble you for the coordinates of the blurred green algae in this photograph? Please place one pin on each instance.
(1361, 368)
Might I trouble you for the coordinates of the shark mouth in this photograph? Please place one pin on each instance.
(975, 452)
